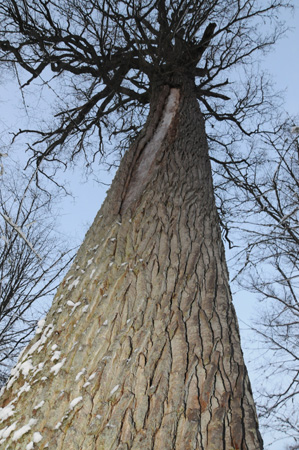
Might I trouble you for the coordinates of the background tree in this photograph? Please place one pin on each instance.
(156, 357)
(31, 262)
(269, 263)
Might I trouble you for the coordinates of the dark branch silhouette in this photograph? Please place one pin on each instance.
(116, 53)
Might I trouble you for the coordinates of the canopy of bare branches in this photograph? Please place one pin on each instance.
(112, 54)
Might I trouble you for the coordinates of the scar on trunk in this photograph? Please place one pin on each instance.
(143, 167)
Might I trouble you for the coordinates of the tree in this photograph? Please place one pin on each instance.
(31, 264)
(141, 345)
(271, 193)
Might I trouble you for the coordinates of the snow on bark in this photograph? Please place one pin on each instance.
(55, 369)
(23, 430)
(75, 402)
(155, 361)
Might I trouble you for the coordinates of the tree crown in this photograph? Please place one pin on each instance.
(113, 53)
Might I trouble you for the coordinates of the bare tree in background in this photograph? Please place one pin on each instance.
(270, 269)
(31, 262)
(141, 348)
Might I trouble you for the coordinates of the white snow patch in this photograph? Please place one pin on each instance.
(57, 426)
(113, 239)
(86, 384)
(7, 412)
(6, 432)
(85, 309)
(98, 416)
(111, 264)
(69, 278)
(92, 376)
(74, 284)
(76, 306)
(91, 275)
(124, 263)
(74, 402)
(105, 323)
(37, 437)
(59, 310)
(70, 303)
(49, 330)
(25, 367)
(114, 389)
(46, 334)
(54, 347)
(89, 262)
(15, 372)
(55, 369)
(30, 446)
(38, 368)
(83, 371)
(25, 388)
(39, 405)
(21, 431)
(40, 326)
(129, 320)
(35, 346)
(56, 356)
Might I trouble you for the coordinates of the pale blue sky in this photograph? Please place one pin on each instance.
(282, 64)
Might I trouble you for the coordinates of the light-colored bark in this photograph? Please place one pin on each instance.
(141, 347)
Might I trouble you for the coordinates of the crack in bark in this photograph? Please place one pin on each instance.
(160, 331)
(148, 149)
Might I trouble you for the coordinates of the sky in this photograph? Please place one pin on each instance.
(283, 65)
(77, 214)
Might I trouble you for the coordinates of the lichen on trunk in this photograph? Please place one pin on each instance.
(141, 347)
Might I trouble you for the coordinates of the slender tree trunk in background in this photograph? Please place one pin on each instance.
(141, 348)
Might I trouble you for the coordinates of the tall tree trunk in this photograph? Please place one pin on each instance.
(141, 348)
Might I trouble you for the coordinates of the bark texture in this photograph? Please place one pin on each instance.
(141, 348)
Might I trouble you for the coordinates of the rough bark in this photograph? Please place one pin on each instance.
(141, 348)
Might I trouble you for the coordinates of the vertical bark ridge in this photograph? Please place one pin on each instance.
(141, 347)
